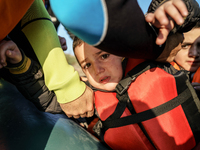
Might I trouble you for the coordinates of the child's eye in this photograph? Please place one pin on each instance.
(104, 56)
(87, 66)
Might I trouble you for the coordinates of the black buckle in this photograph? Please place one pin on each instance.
(123, 85)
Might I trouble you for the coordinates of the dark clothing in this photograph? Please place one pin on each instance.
(31, 84)
(115, 26)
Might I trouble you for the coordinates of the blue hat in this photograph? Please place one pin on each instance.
(85, 20)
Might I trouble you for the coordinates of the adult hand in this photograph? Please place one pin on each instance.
(163, 18)
(82, 106)
(9, 52)
(63, 43)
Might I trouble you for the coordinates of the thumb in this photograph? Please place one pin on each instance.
(162, 36)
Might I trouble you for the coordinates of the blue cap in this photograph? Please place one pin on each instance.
(87, 19)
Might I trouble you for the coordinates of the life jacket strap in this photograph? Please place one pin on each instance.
(124, 84)
(149, 114)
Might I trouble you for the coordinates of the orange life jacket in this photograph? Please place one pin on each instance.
(151, 109)
(196, 77)
(11, 13)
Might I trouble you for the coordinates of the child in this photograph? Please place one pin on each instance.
(188, 58)
(138, 138)
(102, 69)
(104, 72)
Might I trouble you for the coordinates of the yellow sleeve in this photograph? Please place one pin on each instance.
(59, 75)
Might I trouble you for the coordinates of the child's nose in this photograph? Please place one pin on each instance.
(98, 69)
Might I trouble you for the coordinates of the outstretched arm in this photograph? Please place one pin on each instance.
(115, 26)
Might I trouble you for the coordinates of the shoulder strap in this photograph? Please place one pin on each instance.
(124, 84)
(115, 121)
(149, 114)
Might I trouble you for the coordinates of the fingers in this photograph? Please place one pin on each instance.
(88, 114)
(76, 116)
(63, 43)
(162, 18)
(9, 52)
(3, 49)
(83, 115)
(176, 9)
(179, 4)
(80, 107)
(173, 11)
(164, 32)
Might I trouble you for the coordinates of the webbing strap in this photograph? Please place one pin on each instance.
(122, 104)
(124, 84)
(149, 114)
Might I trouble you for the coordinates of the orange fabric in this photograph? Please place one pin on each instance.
(11, 12)
(132, 63)
(175, 65)
(196, 77)
(127, 137)
(170, 130)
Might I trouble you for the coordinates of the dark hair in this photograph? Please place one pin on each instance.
(197, 25)
(75, 39)
(76, 42)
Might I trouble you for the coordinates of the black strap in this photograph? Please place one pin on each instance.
(124, 84)
(149, 114)
(121, 106)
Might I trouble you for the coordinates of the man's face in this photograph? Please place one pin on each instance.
(102, 69)
(189, 55)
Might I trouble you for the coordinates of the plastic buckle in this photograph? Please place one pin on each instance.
(121, 90)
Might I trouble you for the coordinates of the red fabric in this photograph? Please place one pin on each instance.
(126, 137)
(132, 63)
(12, 12)
(196, 77)
(168, 131)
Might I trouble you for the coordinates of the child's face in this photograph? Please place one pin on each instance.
(189, 56)
(102, 69)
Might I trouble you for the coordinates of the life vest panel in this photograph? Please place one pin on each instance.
(154, 90)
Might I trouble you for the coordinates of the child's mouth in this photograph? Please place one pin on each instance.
(105, 80)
